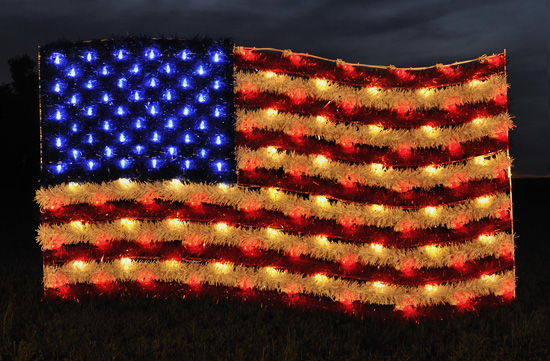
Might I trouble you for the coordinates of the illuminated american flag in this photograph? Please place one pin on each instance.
(185, 168)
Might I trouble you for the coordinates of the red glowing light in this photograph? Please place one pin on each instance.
(297, 131)
(245, 283)
(250, 205)
(347, 298)
(447, 71)
(59, 280)
(248, 124)
(296, 251)
(500, 97)
(402, 74)
(297, 170)
(251, 163)
(495, 60)
(295, 59)
(293, 288)
(348, 104)
(403, 108)
(349, 260)
(248, 89)
(247, 54)
(453, 147)
(459, 262)
(463, 300)
(456, 180)
(408, 266)
(299, 212)
(251, 245)
(508, 289)
(145, 277)
(193, 280)
(459, 221)
(506, 250)
(99, 199)
(194, 240)
(298, 95)
(450, 104)
(101, 279)
(406, 226)
(348, 68)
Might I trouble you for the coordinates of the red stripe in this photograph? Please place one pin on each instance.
(416, 197)
(266, 258)
(387, 118)
(262, 218)
(360, 153)
(301, 302)
(365, 77)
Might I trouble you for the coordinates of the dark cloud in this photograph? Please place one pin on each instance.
(402, 33)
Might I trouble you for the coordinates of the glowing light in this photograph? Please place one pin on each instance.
(187, 138)
(486, 238)
(489, 277)
(271, 151)
(222, 267)
(480, 160)
(432, 250)
(271, 111)
(222, 227)
(478, 121)
(91, 165)
(271, 271)
(483, 200)
(270, 74)
(77, 224)
(375, 129)
(431, 169)
(200, 70)
(431, 211)
(321, 83)
(430, 288)
(377, 247)
(377, 208)
(373, 90)
(174, 222)
(321, 278)
(124, 182)
(475, 82)
(426, 92)
(273, 192)
(321, 160)
(272, 232)
(378, 284)
(170, 123)
(127, 222)
(322, 201)
(323, 240)
(377, 167)
(126, 262)
(72, 73)
(58, 115)
(79, 265)
(122, 138)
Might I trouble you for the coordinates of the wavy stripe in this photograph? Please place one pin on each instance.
(273, 200)
(380, 99)
(364, 154)
(402, 235)
(373, 175)
(305, 65)
(375, 136)
(318, 247)
(231, 275)
(386, 118)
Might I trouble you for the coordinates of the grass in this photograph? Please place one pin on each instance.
(145, 329)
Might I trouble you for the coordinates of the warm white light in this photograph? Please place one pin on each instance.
(272, 232)
(426, 92)
(271, 271)
(475, 82)
(432, 250)
(321, 278)
(377, 247)
(125, 262)
(271, 151)
(323, 240)
(222, 226)
(321, 119)
(372, 90)
(322, 201)
(273, 192)
(483, 201)
(431, 211)
(377, 207)
(321, 83)
(478, 121)
(321, 160)
(431, 169)
(271, 112)
(377, 167)
(127, 222)
(430, 288)
(270, 74)
(222, 267)
(79, 264)
(375, 128)
(486, 238)
(480, 160)
(174, 222)
(77, 224)
(379, 284)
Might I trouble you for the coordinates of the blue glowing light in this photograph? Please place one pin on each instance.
(59, 168)
(139, 122)
(185, 55)
(186, 111)
(74, 100)
(105, 70)
(108, 152)
(105, 97)
(57, 58)
(123, 163)
(167, 95)
(74, 127)
(89, 84)
(156, 137)
(219, 166)
(121, 83)
(139, 149)
(217, 112)
(58, 115)
(203, 125)
(58, 142)
(187, 164)
(75, 153)
(120, 110)
(151, 54)
(153, 109)
(170, 123)
(218, 140)
(216, 85)
(153, 82)
(90, 111)
(57, 88)
(91, 165)
(217, 57)
(188, 139)
(172, 151)
(136, 96)
(203, 153)
(72, 72)
(90, 139)
(135, 69)
(122, 138)
(200, 70)
(202, 97)
(120, 55)
(106, 125)
(154, 163)
(167, 69)
(185, 83)
(90, 56)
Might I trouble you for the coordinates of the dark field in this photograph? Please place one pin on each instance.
(142, 329)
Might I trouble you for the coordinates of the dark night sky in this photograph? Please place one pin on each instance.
(404, 33)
